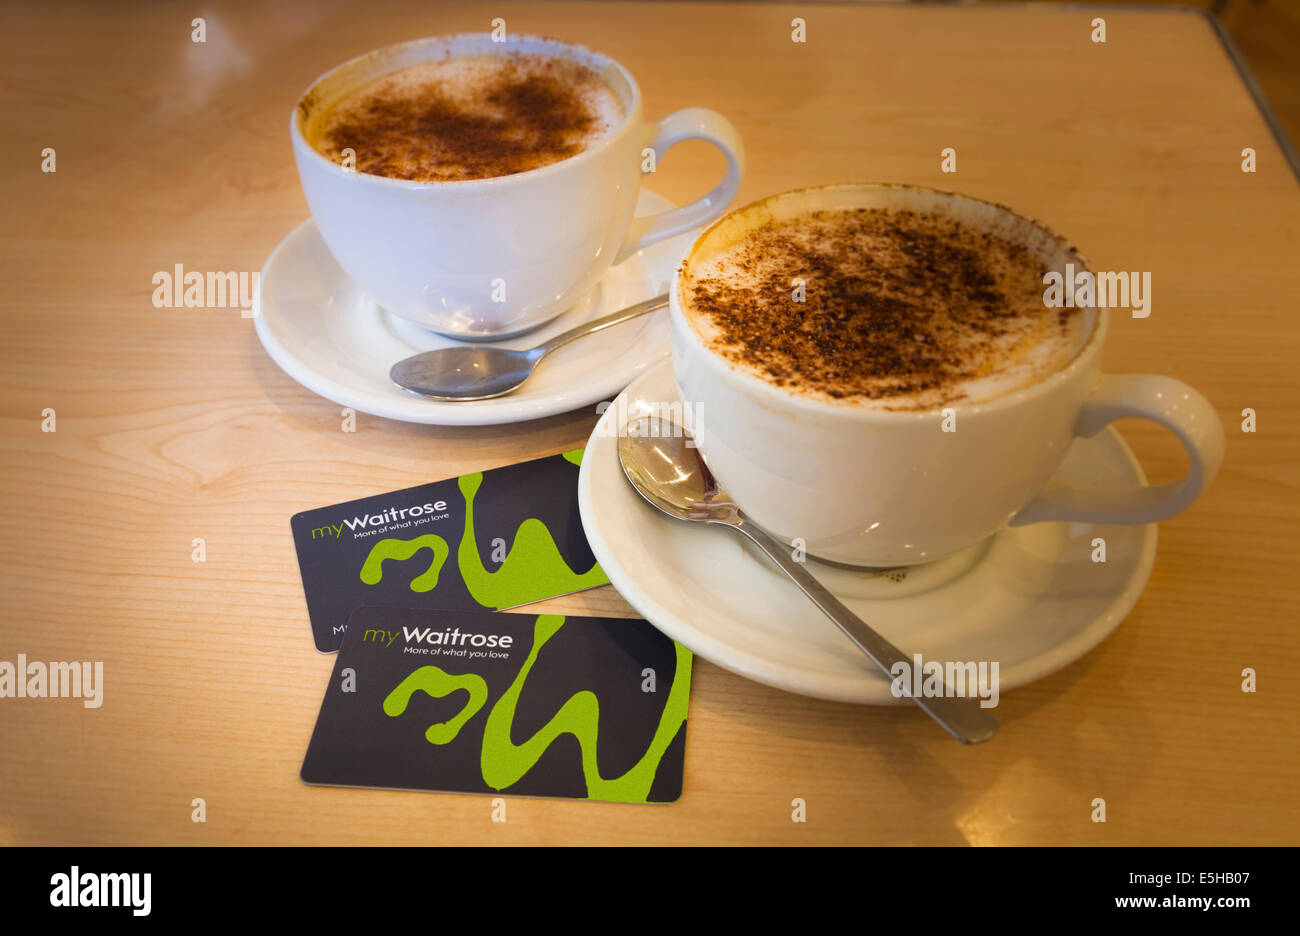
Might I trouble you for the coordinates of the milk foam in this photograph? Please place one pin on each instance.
(898, 335)
(472, 116)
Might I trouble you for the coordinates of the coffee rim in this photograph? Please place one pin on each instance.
(854, 410)
(633, 109)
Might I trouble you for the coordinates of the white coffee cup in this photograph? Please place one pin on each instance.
(873, 488)
(487, 258)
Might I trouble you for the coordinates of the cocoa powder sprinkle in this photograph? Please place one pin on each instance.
(896, 305)
(495, 116)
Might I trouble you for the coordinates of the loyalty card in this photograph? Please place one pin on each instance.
(521, 704)
(493, 539)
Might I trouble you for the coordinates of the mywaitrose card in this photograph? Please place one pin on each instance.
(517, 704)
(493, 539)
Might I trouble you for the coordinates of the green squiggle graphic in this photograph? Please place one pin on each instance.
(372, 570)
(505, 762)
(437, 683)
(532, 569)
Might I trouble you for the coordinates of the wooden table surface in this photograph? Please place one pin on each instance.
(174, 424)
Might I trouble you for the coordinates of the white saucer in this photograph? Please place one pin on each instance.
(1029, 598)
(334, 340)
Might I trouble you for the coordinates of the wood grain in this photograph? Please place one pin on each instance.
(173, 423)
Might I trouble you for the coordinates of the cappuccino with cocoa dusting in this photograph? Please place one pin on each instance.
(469, 117)
(886, 308)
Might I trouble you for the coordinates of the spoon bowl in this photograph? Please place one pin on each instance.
(669, 473)
(465, 373)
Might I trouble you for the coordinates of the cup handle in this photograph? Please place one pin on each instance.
(1172, 404)
(693, 123)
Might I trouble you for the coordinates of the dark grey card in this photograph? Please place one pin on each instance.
(493, 539)
(521, 704)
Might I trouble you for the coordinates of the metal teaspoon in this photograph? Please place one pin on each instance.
(673, 477)
(463, 373)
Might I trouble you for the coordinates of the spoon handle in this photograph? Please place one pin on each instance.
(605, 321)
(964, 719)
